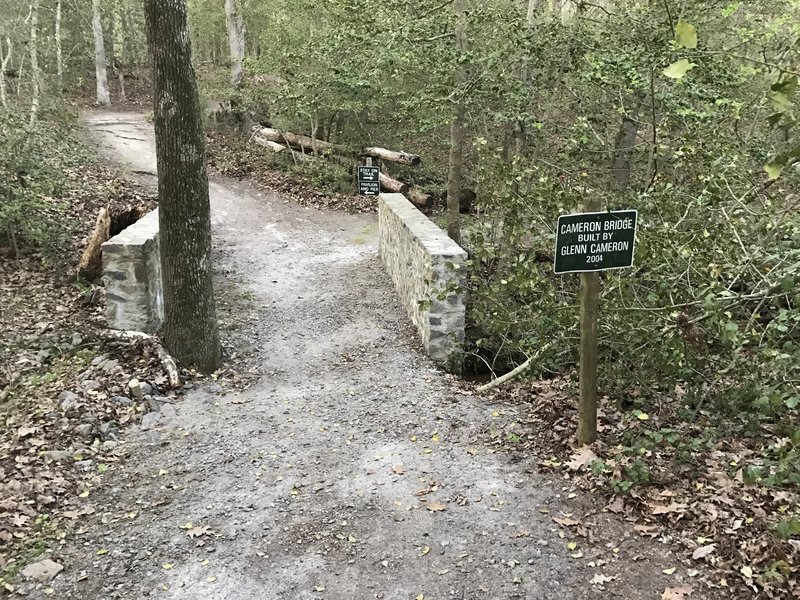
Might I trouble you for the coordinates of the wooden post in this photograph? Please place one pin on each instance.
(590, 292)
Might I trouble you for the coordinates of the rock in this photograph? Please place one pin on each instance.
(86, 465)
(84, 430)
(109, 365)
(214, 388)
(90, 384)
(43, 571)
(42, 356)
(155, 403)
(122, 400)
(136, 389)
(77, 340)
(98, 359)
(147, 389)
(69, 401)
(107, 429)
(57, 455)
(89, 418)
(149, 420)
(109, 445)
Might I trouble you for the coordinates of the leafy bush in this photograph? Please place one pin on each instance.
(33, 161)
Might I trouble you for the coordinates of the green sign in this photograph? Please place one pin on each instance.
(369, 183)
(595, 241)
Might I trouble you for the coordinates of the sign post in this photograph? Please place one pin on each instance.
(369, 179)
(587, 243)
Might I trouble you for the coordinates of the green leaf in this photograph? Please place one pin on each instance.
(686, 35)
(678, 69)
(773, 170)
(779, 101)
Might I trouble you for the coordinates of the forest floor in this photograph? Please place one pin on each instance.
(349, 467)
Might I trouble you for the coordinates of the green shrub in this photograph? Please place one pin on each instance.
(34, 160)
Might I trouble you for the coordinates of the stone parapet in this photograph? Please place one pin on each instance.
(428, 270)
(132, 277)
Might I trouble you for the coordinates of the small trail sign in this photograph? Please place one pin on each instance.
(595, 241)
(369, 182)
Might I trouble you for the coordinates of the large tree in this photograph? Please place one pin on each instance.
(184, 212)
(103, 97)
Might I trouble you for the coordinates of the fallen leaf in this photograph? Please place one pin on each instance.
(424, 550)
(565, 521)
(747, 572)
(703, 551)
(669, 571)
(600, 579)
(102, 551)
(521, 533)
(398, 469)
(198, 531)
(659, 509)
(167, 566)
(319, 588)
(581, 458)
(436, 506)
(677, 593)
(617, 506)
(211, 579)
(651, 530)
(25, 431)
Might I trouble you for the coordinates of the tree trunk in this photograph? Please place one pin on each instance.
(623, 148)
(300, 142)
(392, 185)
(190, 330)
(36, 74)
(520, 133)
(90, 263)
(103, 98)
(456, 160)
(3, 66)
(235, 21)
(59, 58)
(403, 158)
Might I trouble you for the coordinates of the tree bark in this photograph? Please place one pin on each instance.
(418, 198)
(3, 66)
(393, 185)
(623, 149)
(235, 21)
(59, 58)
(456, 159)
(300, 142)
(103, 97)
(36, 74)
(403, 158)
(90, 264)
(190, 329)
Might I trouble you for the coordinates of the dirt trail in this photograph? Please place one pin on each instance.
(294, 478)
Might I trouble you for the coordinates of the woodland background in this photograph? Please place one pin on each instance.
(683, 110)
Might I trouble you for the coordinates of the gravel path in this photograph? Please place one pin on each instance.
(319, 480)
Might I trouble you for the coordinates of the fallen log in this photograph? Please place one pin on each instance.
(393, 185)
(419, 198)
(404, 158)
(274, 146)
(90, 264)
(167, 362)
(299, 142)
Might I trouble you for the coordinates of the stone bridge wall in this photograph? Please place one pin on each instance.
(132, 276)
(428, 272)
